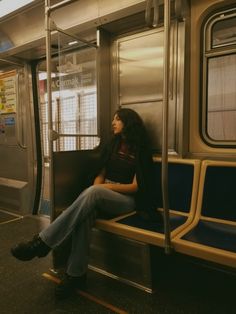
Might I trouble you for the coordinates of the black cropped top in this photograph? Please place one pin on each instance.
(121, 166)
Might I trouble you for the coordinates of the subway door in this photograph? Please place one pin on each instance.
(18, 169)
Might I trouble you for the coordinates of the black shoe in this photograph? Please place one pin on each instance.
(26, 251)
(69, 285)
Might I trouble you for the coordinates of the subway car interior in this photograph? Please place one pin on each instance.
(66, 66)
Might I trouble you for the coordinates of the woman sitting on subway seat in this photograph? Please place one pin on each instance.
(124, 183)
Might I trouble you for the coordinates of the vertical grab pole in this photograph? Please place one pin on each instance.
(165, 126)
(49, 93)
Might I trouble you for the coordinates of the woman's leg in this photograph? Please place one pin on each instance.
(77, 263)
(109, 202)
(95, 197)
(77, 221)
(59, 229)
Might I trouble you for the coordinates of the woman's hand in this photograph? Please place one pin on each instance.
(128, 188)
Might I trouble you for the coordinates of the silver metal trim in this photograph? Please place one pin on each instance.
(220, 53)
(149, 4)
(60, 5)
(19, 118)
(77, 135)
(49, 90)
(126, 281)
(164, 171)
(141, 101)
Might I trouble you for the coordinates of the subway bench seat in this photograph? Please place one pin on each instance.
(183, 176)
(212, 234)
(135, 239)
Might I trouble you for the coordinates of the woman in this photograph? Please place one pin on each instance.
(124, 183)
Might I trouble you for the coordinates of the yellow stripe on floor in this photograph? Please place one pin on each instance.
(88, 296)
(11, 220)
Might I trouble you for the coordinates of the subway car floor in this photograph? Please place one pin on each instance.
(28, 287)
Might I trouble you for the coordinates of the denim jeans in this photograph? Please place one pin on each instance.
(78, 219)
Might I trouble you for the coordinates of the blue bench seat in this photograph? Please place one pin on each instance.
(212, 234)
(135, 220)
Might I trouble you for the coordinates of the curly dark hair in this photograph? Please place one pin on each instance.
(134, 131)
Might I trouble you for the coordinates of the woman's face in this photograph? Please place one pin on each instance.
(117, 125)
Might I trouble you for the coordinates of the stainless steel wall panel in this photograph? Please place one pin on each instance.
(13, 163)
(151, 113)
(141, 68)
(138, 81)
(17, 146)
(130, 262)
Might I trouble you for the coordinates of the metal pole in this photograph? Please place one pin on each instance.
(165, 126)
(61, 5)
(49, 92)
(75, 37)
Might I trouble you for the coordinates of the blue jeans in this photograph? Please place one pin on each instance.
(78, 219)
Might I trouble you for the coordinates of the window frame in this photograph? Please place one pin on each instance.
(209, 51)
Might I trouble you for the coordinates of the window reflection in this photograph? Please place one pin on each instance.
(224, 32)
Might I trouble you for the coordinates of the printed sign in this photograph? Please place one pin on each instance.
(8, 92)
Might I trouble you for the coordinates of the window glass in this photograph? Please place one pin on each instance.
(74, 101)
(222, 98)
(219, 80)
(224, 32)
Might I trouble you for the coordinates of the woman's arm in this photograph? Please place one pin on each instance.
(128, 188)
(100, 178)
